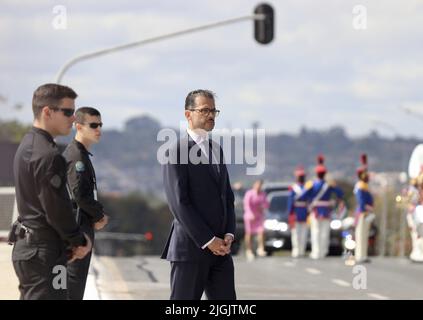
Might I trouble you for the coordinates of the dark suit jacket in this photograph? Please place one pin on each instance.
(201, 202)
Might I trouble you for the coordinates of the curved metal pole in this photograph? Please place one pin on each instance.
(98, 53)
(386, 125)
(412, 112)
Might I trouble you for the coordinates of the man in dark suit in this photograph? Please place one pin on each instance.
(201, 200)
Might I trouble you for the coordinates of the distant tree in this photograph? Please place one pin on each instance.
(12, 131)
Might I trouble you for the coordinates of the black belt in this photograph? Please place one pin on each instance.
(20, 231)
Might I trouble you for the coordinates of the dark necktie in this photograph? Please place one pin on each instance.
(214, 165)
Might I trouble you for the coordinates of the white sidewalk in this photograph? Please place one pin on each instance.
(105, 281)
(8, 280)
(112, 285)
(91, 289)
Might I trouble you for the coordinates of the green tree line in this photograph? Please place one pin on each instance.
(12, 131)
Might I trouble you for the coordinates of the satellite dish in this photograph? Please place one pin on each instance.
(416, 162)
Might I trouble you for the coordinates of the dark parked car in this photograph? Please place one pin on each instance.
(277, 233)
(276, 229)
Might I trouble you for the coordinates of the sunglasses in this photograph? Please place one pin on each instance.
(67, 112)
(95, 125)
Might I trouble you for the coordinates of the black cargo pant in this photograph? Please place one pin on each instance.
(78, 270)
(41, 269)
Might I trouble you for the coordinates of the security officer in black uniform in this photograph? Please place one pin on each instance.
(83, 186)
(46, 234)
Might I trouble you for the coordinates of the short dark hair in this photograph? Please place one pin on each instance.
(81, 112)
(50, 95)
(190, 99)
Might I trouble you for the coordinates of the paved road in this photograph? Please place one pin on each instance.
(267, 278)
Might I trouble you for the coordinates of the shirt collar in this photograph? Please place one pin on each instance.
(43, 132)
(198, 136)
(81, 147)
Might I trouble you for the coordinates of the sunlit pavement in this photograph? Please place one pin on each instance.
(9, 281)
(264, 278)
(267, 278)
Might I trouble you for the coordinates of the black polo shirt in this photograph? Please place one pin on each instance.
(40, 180)
(82, 180)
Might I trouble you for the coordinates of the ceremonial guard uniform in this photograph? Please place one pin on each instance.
(319, 195)
(298, 215)
(364, 213)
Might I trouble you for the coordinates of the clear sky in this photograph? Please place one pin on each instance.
(318, 72)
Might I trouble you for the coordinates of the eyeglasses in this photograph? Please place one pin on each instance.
(67, 112)
(95, 125)
(206, 111)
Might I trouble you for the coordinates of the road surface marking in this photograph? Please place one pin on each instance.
(377, 296)
(114, 286)
(313, 271)
(341, 283)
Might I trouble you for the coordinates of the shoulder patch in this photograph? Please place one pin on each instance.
(79, 166)
(56, 181)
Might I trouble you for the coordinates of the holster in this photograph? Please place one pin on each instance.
(19, 231)
(15, 233)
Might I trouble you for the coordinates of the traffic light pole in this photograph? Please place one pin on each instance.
(94, 54)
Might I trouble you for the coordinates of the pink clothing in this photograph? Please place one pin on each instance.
(254, 205)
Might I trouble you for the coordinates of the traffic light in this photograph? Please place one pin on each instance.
(263, 29)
